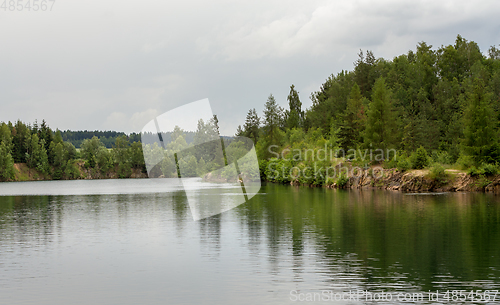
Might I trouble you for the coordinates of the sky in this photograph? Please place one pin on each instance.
(115, 65)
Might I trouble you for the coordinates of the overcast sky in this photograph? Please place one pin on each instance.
(115, 65)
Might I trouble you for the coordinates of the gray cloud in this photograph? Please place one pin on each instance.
(116, 64)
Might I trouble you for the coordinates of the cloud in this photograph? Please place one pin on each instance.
(98, 64)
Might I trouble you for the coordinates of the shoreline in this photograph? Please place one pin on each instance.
(411, 181)
(416, 181)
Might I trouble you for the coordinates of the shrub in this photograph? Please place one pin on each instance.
(485, 169)
(342, 181)
(489, 169)
(71, 171)
(330, 181)
(482, 182)
(437, 173)
(392, 163)
(419, 158)
(465, 161)
(442, 157)
(404, 164)
(474, 171)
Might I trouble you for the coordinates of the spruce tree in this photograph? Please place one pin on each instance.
(295, 115)
(252, 125)
(380, 125)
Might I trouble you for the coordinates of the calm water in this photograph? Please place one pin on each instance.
(135, 242)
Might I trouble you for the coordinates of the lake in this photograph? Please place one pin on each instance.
(134, 241)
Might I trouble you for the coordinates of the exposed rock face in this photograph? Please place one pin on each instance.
(418, 181)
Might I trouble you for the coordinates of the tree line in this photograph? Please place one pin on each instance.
(444, 102)
(45, 151)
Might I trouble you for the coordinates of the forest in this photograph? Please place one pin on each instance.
(47, 156)
(437, 108)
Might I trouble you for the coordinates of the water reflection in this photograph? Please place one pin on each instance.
(285, 238)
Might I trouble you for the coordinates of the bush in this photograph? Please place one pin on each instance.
(404, 164)
(474, 171)
(486, 169)
(71, 171)
(437, 173)
(489, 169)
(442, 157)
(420, 158)
(342, 181)
(465, 161)
(392, 163)
(482, 182)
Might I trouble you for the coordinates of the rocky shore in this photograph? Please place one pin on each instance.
(420, 181)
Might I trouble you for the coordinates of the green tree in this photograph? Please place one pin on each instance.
(137, 156)
(365, 72)
(20, 134)
(121, 152)
(104, 160)
(57, 152)
(6, 163)
(252, 125)
(380, 127)
(353, 120)
(168, 167)
(295, 115)
(273, 116)
(480, 134)
(36, 156)
(89, 149)
(5, 135)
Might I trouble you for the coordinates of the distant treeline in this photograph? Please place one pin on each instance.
(108, 138)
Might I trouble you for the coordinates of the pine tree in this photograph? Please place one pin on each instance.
(353, 119)
(272, 120)
(480, 134)
(252, 125)
(6, 163)
(295, 115)
(380, 127)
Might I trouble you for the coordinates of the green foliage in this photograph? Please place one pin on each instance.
(420, 158)
(121, 152)
(342, 181)
(278, 170)
(403, 164)
(489, 169)
(485, 169)
(442, 157)
(6, 163)
(437, 173)
(71, 171)
(380, 122)
(188, 167)
(104, 160)
(36, 156)
(480, 135)
(137, 156)
(252, 125)
(482, 182)
(89, 150)
(465, 161)
(294, 116)
(353, 120)
(168, 167)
